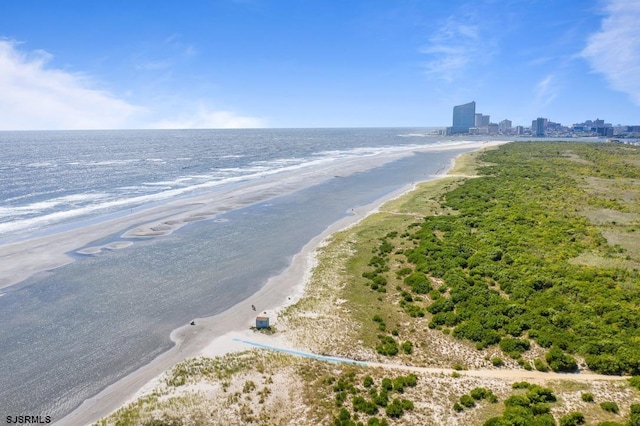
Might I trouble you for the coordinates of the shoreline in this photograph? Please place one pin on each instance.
(213, 335)
(22, 258)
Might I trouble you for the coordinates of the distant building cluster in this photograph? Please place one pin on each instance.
(467, 121)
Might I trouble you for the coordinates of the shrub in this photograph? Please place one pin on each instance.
(544, 420)
(634, 418)
(418, 282)
(381, 399)
(479, 393)
(344, 414)
(411, 380)
(521, 385)
(467, 401)
(559, 361)
(398, 384)
(587, 397)
(407, 405)
(457, 407)
(361, 404)
(540, 408)
(610, 406)
(540, 365)
(388, 346)
(387, 384)
(517, 401)
(635, 382)
(497, 362)
(367, 382)
(514, 347)
(572, 419)
(394, 410)
(537, 394)
(407, 347)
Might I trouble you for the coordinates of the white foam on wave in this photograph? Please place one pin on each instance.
(126, 197)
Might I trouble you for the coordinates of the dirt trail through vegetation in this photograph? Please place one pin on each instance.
(504, 373)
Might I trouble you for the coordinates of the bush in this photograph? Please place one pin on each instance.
(467, 401)
(344, 414)
(586, 397)
(411, 380)
(382, 399)
(497, 362)
(386, 384)
(540, 365)
(610, 406)
(634, 419)
(517, 401)
(514, 347)
(537, 394)
(572, 419)
(544, 420)
(367, 382)
(559, 361)
(418, 282)
(457, 407)
(395, 410)
(407, 405)
(388, 346)
(479, 393)
(407, 347)
(635, 382)
(521, 385)
(398, 384)
(540, 408)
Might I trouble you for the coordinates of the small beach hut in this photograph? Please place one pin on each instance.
(262, 322)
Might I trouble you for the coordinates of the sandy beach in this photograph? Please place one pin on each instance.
(213, 335)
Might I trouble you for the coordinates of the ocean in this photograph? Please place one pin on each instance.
(67, 333)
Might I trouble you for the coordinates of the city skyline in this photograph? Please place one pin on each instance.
(467, 121)
(70, 64)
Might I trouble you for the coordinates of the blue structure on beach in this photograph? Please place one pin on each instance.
(262, 322)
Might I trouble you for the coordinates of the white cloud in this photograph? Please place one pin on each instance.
(454, 46)
(615, 49)
(34, 96)
(545, 91)
(37, 97)
(205, 118)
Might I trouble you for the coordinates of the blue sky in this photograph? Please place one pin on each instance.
(70, 64)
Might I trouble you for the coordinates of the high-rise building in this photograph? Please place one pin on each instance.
(481, 120)
(540, 126)
(463, 117)
(505, 126)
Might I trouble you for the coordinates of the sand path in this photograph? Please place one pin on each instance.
(503, 373)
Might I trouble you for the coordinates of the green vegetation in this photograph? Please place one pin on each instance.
(610, 406)
(635, 415)
(572, 419)
(369, 401)
(587, 397)
(507, 257)
(476, 395)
